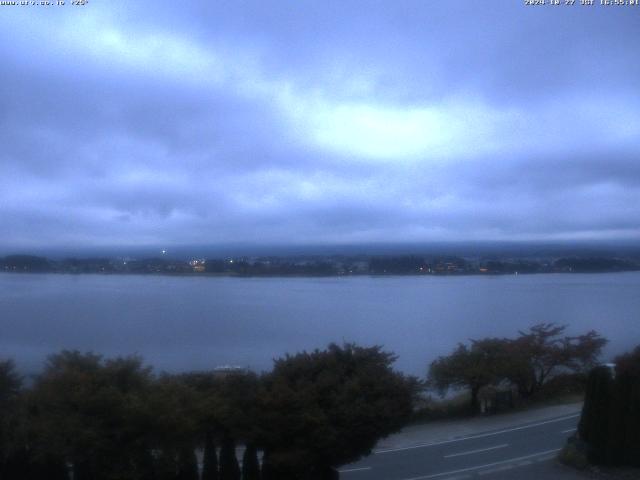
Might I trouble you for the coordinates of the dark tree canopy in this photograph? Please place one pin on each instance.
(90, 411)
(625, 448)
(105, 419)
(594, 422)
(610, 421)
(327, 408)
(10, 385)
(543, 351)
(527, 362)
(473, 367)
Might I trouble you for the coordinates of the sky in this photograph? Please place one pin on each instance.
(317, 122)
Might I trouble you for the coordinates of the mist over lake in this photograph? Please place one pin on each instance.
(179, 323)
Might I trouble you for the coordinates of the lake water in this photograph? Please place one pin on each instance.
(179, 323)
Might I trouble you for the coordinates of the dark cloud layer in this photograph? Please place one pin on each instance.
(317, 122)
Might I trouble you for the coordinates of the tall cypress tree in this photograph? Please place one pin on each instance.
(210, 460)
(610, 422)
(14, 456)
(594, 422)
(165, 465)
(266, 472)
(250, 465)
(187, 464)
(145, 464)
(628, 406)
(618, 417)
(229, 468)
(632, 450)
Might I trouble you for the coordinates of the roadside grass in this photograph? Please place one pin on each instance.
(452, 407)
(561, 399)
(574, 454)
(562, 390)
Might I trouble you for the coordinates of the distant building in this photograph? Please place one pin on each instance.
(198, 265)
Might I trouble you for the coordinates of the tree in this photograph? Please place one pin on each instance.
(541, 352)
(227, 408)
(594, 421)
(528, 361)
(268, 472)
(327, 408)
(624, 432)
(210, 459)
(250, 465)
(187, 463)
(483, 363)
(170, 422)
(26, 263)
(20, 458)
(237, 407)
(398, 265)
(229, 468)
(92, 413)
(610, 421)
(10, 386)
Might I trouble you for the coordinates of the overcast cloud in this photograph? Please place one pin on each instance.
(207, 122)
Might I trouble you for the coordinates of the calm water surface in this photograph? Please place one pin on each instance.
(181, 323)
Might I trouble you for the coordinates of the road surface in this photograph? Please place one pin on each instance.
(516, 451)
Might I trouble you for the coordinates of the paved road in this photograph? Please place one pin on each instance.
(518, 451)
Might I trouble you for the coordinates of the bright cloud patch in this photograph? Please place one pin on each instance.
(389, 133)
(381, 133)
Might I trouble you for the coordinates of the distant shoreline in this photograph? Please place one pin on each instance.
(274, 275)
(318, 266)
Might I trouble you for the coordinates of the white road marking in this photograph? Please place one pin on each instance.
(348, 470)
(568, 430)
(472, 437)
(546, 458)
(476, 451)
(496, 469)
(479, 467)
